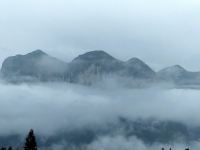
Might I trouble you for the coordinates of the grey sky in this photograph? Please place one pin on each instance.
(160, 32)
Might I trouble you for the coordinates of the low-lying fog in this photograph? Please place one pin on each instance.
(53, 107)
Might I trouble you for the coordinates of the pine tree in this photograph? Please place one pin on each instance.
(30, 141)
(9, 148)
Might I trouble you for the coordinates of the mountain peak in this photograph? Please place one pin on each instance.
(36, 65)
(134, 60)
(174, 73)
(138, 69)
(137, 63)
(94, 55)
(178, 67)
(175, 68)
(36, 53)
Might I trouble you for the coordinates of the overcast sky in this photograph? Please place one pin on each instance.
(161, 32)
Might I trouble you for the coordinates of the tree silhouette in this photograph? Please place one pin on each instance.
(9, 148)
(30, 143)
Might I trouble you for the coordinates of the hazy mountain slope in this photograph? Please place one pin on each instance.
(136, 68)
(95, 65)
(179, 75)
(91, 66)
(36, 65)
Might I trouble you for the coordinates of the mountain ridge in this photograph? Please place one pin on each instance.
(89, 68)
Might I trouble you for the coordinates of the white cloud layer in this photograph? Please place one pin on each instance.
(49, 108)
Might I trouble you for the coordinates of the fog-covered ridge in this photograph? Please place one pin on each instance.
(90, 68)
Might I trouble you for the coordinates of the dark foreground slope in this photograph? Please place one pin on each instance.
(148, 131)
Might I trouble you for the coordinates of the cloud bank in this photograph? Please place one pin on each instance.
(54, 108)
(50, 107)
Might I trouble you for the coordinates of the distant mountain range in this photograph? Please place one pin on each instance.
(89, 68)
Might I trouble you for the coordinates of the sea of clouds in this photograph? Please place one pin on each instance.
(49, 108)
